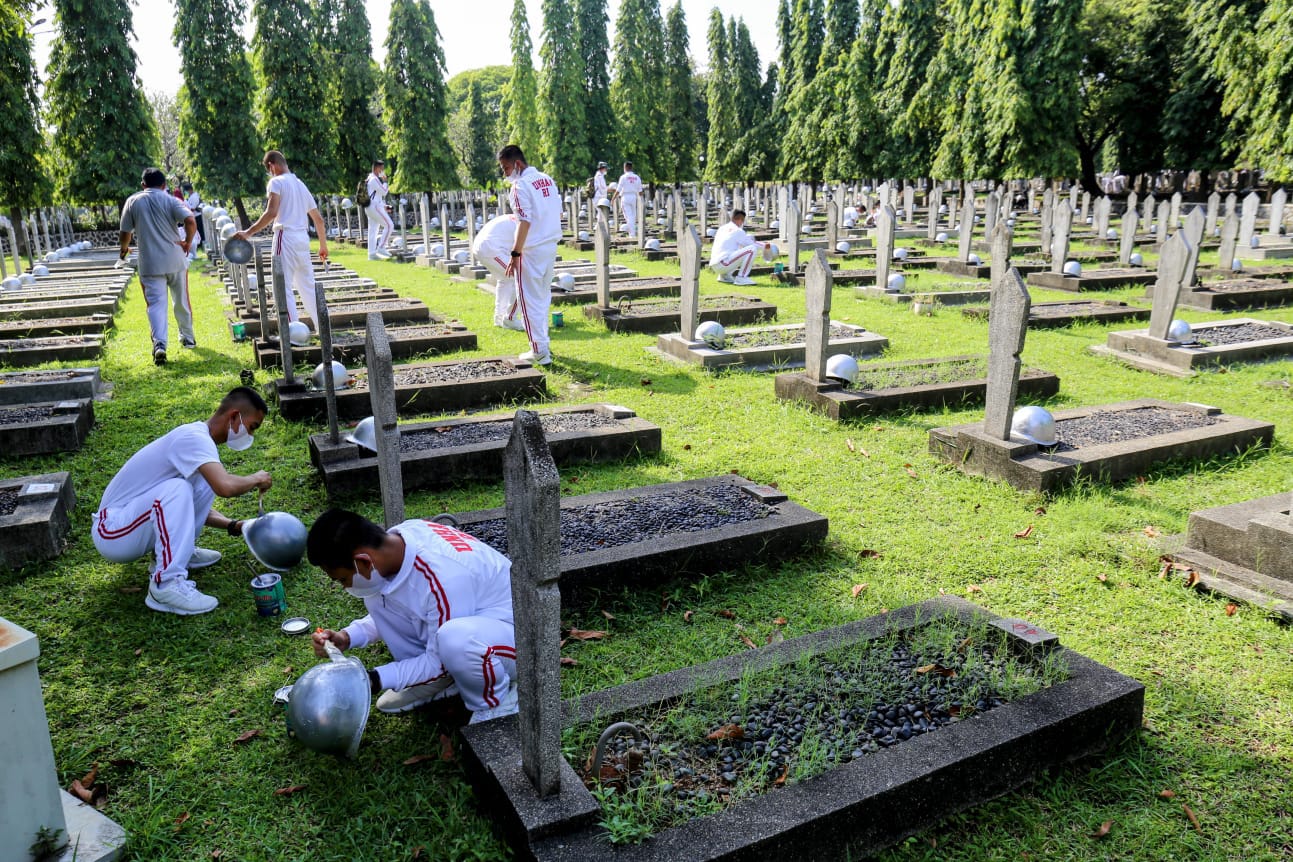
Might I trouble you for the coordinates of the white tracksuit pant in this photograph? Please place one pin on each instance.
(478, 652)
(505, 301)
(155, 290)
(534, 272)
(166, 521)
(292, 249)
(629, 205)
(738, 263)
(380, 228)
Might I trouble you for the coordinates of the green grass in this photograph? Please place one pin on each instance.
(1219, 700)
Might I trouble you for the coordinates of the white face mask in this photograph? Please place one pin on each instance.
(241, 439)
(362, 587)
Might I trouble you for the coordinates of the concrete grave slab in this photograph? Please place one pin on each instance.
(854, 809)
(1052, 315)
(1238, 293)
(1099, 279)
(407, 339)
(768, 346)
(20, 352)
(661, 315)
(585, 292)
(29, 387)
(43, 428)
(35, 516)
(1220, 342)
(353, 314)
(945, 294)
(53, 327)
(589, 433)
(1204, 432)
(58, 308)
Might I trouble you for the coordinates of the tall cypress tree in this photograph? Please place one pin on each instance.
(679, 154)
(785, 48)
(637, 92)
(1270, 139)
(561, 92)
(595, 48)
(413, 98)
(806, 148)
(913, 29)
(359, 140)
(103, 132)
(470, 133)
(723, 130)
(217, 134)
(291, 72)
(808, 29)
(519, 110)
(23, 180)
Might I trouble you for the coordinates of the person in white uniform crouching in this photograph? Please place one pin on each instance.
(288, 206)
(536, 202)
(380, 226)
(733, 251)
(493, 247)
(162, 497)
(439, 598)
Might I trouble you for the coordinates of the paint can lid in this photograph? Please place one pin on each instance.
(295, 626)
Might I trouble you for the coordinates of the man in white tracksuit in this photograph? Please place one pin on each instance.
(628, 187)
(599, 182)
(380, 226)
(536, 202)
(162, 497)
(492, 248)
(733, 251)
(439, 598)
(288, 207)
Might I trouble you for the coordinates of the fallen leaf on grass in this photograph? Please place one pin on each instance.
(181, 820)
(974, 588)
(749, 643)
(217, 853)
(728, 731)
(288, 791)
(129, 590)
(567, 661)
(865, 453)
(139, 652)
(781, 779)
(1151, 532)
(608, 615)
(645, 381)
(1166, 794)
(686, 447)
(687, 615)
(937, 669)
(1040, 510)
(1025, 532)
(1194, 821)
(780, 621)
(586, 635)
(1102, 578)
(419, 852)
(869, 554)
(910, 472)
(446, 748)
(419, 758)
(288, 670)
(726, 614)
(81, 792)
(1231, 608)
(442, 429)
(247, 736)
(89, 777)
(849, 443)
(1192, 578)
(858, 589)
(1103, 830)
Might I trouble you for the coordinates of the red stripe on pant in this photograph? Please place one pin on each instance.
(525, 314)
(487, 670)
(123, 531)
(165, 561)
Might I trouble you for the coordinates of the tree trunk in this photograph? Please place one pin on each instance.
(1086, 157)
(15, 218)
(243, 221)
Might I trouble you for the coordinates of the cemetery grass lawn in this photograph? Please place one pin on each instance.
(158, 701)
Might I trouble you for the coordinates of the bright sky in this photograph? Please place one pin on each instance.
(474, 34)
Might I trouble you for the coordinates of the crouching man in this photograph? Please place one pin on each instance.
(733, 251)
(439, 598)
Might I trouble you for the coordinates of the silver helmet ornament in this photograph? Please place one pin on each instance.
(1035, 425)
(327, 708)
(712, 333)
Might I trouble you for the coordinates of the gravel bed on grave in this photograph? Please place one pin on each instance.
(16, 415)
(751, 736)
(624, 522)
(1072, 308)
(8, 501)
(23, 325)
(775, 337)
(1240, 286)
(460, 372)
(950, 287)
(40, 376)
(355, 338)
(448, 436)
(672, 306)
(52, 341)
(1116, 426)
(1242, 333)
(919, 375)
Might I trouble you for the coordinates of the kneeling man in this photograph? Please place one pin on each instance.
(733, 251)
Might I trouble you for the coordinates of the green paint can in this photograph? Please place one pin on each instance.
(267, 590)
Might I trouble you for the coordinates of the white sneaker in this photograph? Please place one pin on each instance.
(181, 597)
(203, 557)
(508, 705)
(726, 279)
(744, 281)
(393, 701)
(379, 255)
(533, 358)
(512, 323)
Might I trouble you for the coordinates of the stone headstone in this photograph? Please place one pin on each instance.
(818, 281)
(1278, 200)
(1232, 203)
(1127, 241)
(908, 204)
(1172, 261)
(1100, 217)
(425, 208)
(444, 228)
(702, 216)
(471, 230)
(1229, 239)
(324, 327)
(1174, 212)
(1131, 204)
(1001, 238)
(991, 211)
(783, 204)
(1248, 222)
(1048, 221)
(1193, 231)
(1214, 207)
(1007, 326)
(1032, 198)
(640, 227)
(793, 224)
(885, 224)
(602, 261)
(966, 237)
(533, 492)
(934, 202)
(1147, 218)
(832, 225)
(1085, 207)
(689, 259)
(281, 300)
(1060, 235)
(381, 393)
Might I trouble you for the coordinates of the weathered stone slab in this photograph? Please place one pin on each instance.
(1141, 350)
(656, 315)
(852, 811)
(52, 327)
(20, 352)
(42, 428)
(59, 384)
(34, 530)
(1238, 293)
(1031, 467)
(60, 308)
(584, 293)
(353, 314)
(416, 339)
(1099, 279)
(944, 297)
(348, 468)
(789, 354)
(1051, 315)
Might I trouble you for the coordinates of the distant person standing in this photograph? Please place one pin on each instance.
(536, 201)
(288, 205)
(599, 182)
(380, 226)
(153, 216)
(628, 187)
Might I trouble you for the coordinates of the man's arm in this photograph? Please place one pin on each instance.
(190, 229)
(125, 243)
(271, 212)
(518, 245)
(321, 231)
(227, 484)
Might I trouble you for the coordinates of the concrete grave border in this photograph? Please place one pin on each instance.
(79, 383)
(36, 528)
(1108, 279)
(677, 347)
(23, 352)
(750, 312)
(403, 345)
(1139, 349)
(636, 288)
(64, 431)
(1050, 315)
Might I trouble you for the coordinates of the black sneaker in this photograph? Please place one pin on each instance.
(188, 344)
(159, 354)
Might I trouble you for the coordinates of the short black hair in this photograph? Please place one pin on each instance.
(511, 151)
(736, 214)
(243, 396)
(378, 163)
(154, 178)
(335, 537)
(628, 166)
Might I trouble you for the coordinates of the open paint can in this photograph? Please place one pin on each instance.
(267, 589)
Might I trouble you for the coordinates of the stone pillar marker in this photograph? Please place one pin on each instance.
(1007, 327)
(1167, 289)
(533, 493)
(444, 229)
(1127, 241)
(1162, 219)
(965, 239)
(991, 211)
(381, 392)
(1001, 239)
(281, 299)
(1174, 212)
(1232, 202)
(1214, 208)
(702, 215)
(471, 231)
(1248, 222)
(884, 246)
(1060, 237)
(1131, 205)
(324, 327)
(935, 200)
(1229, 238)
(1193, 231)
(602, 261)
(1148, 214)
(1048, 221)
(793, 225)
(404, 228)
(640, 227)
(689, 261)
(818, 281)
(783, 206)
(832, 225)
(908, 205)
(1084, 207)
(1278, 201)
(1100, 217)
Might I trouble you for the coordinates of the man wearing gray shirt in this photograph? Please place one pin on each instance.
(153, 215)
